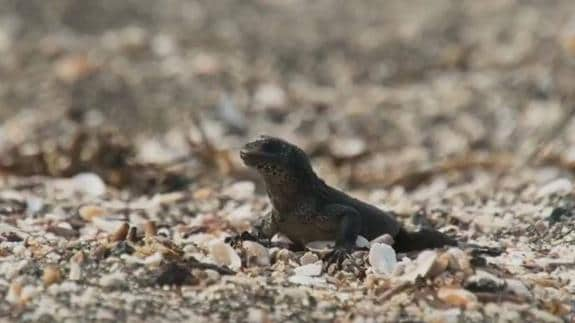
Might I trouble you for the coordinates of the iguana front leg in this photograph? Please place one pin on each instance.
(262, 232)
(347, 232)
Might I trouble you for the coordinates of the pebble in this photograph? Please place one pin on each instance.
(307, 280)
(457, 297)
(256, 253)
(270, 96)
(89, 212)
(89, 184)
(240, 190)
(120, 233)
(321, 247)
(483, 281)
(14, 292)
(423, 266)
(517, 287)
(75, 271)
(361, 242)
(51, 275)
(241, 217)
(224, 255)
(308, 258)
(347, 147)
(561, 185)
(313, 269)
(459, 261)
(108, 224)
(113, 279)
(28, 293)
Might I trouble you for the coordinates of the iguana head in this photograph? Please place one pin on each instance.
(272, 156)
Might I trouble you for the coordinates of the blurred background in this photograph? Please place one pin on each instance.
(373, 90)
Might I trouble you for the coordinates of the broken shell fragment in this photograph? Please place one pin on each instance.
(311, 270)
(51, 275)
(121, 233)
(256, 253)
(321, 247)
(308, 258)
(457, 297)
(89, 212)
(223, 254)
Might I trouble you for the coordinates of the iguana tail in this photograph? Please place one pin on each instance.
(423, 239)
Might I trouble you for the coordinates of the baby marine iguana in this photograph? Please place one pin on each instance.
(306, 209)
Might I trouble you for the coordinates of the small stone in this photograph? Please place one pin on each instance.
(459, 261)
(89, 212)
(452, 315)
(561, 185)
(483, 281)
(75, 271)
(154, 260)
(223, 254)
(174, 274)
(347, 147)
(308, 258)
(113, 279)
(240, 190)
(73, 67)
(284, 255)
(132, 235)
(517, 287)
(150, 228)
(14, 292)
(89, 184)
(51, 275)
(382, 258)
(256, 253)
(321, 247)
(361, 242)
(120, 233)
(28, 293)
(541, 226)
(212, 276)
(423, 266)
(457, 297)
(270, 97)
(307, 280)
(241, 217)
(313, 269)
(107, 224)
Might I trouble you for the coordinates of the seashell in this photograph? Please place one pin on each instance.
(223, 254)
(313, 269)
(382, 258)
(457, 297)
(308, 258)
(256, 253)
(89, 212)
(51, 275)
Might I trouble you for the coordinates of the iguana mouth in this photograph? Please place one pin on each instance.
(252, 156)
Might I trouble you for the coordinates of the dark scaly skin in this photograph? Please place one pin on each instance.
(306, 209)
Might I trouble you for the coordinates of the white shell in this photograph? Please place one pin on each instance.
(421, 266)
(382, 258)
(257, 253)
(89, 184)
(224, 254)
(313, 269)
(320, 246)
